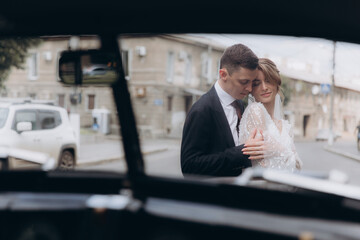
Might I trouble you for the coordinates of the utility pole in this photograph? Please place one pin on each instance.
(74, 116)
(331, 132)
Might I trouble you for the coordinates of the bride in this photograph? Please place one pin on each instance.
(264, 113)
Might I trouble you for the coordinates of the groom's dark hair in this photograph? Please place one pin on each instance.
(236, 56)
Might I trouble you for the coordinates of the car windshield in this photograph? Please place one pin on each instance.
(3, 116)
(166, 75)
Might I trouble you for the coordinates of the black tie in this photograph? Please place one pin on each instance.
(237, 107)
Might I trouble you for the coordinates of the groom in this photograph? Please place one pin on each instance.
(210, 136)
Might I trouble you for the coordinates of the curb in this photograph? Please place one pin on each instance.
(98, 161)
(344, 154)
(115, 158)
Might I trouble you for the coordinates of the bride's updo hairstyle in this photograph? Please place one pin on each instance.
(270, 71)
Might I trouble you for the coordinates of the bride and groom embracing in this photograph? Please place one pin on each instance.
(221, 138)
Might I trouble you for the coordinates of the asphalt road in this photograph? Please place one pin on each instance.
(313, 155)
(316, 158)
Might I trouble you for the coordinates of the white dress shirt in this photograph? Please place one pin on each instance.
(230, 112)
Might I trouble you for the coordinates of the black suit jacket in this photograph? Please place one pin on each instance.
(208, 146)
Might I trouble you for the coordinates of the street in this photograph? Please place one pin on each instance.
(313, 155)
(316, 158)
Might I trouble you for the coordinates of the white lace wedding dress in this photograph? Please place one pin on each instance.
(280, 152)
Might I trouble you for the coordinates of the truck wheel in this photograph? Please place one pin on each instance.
(67, 160)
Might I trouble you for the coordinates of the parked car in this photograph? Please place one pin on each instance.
(96, 69)
(40, 128)
(324, 134)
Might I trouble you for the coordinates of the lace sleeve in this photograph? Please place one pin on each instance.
(281, 152)
(279, 148)
(299, 163)
(252, 118)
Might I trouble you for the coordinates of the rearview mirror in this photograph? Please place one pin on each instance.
(23, 127)
(87, 67)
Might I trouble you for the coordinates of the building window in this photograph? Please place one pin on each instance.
(61, 100)
(91, 102)
(206, 69)
(33, 66)
(345, 125)
(170, 102)
(32, 96)
(188, 103)
(125, 58)
(188, 69)
(218, 70)
(170, 67)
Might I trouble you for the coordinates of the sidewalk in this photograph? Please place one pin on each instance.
(346, 148)
(98, 149)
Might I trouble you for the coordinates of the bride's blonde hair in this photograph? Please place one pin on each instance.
(271, 73)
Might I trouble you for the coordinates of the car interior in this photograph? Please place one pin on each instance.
(54, 204)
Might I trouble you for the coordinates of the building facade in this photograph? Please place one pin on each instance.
(166, 74)
(39, 80)
(309, 109)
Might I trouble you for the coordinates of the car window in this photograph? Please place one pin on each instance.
(49, 119)
(26, 116)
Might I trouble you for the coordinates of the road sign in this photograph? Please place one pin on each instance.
(325, 88)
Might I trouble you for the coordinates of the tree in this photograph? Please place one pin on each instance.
(13, 53)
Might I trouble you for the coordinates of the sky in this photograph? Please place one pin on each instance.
(309, 59)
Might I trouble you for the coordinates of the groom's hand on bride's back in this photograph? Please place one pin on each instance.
(254, 146)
